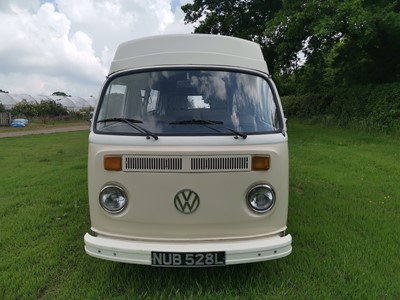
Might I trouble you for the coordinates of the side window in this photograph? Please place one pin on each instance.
(113, 104)
(254, 107)
(269, 107)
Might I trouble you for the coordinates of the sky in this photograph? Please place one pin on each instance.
(67, 45)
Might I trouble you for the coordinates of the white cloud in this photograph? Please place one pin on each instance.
(67, 45)
(178, 25)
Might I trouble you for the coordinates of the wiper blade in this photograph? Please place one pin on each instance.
(196, 122)
(209, 122)
(119, 120)
(133, 124)
(241, 134)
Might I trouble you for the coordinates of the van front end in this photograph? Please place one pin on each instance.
(188, 156)
(191, 205)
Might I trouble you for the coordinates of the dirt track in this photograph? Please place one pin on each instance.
(43, 131)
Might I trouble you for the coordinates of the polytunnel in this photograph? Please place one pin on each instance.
(7, 101)
(72, 103)
(21, 97)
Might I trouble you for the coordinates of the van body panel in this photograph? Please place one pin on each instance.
(188, 157)
(223, 211)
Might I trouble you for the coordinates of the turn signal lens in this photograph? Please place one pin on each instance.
(113, 163)
(260, 163)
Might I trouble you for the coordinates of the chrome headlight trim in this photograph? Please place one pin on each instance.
(261, 190)
(116, 197)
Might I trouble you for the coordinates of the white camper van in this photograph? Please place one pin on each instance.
(188, 156)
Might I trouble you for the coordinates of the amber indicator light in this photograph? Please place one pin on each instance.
(260, 163)
(113, 163)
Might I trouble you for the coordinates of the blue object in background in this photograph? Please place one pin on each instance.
(19, 123)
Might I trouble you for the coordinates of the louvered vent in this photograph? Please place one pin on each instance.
(186, 164)
(220, 163)
(153, 163)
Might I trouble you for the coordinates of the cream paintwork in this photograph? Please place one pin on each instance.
(201, 49)
(223, 212)
(237, 251)
(223, 221)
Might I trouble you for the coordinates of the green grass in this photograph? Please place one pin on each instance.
(344, 217)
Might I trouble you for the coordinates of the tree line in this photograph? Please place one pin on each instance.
(45, 111)
(316, 48)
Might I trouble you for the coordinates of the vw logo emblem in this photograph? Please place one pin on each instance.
(186, 201)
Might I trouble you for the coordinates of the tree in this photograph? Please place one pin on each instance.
(320, 43)
(243, 19)
(45, 109)
(345, 42)
(1, 91)
(24, 109)
(62, 94)
(50, 108)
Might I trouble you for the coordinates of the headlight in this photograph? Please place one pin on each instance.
(113, 199)
(261, 198)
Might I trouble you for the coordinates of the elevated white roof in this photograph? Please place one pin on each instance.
(188, 49)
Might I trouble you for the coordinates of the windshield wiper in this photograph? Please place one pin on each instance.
(133, 124)
(209, 122)
(119, 120)
(197, 122)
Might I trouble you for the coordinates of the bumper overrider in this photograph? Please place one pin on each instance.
(185, 253)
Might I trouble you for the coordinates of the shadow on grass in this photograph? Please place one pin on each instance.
(235, 281)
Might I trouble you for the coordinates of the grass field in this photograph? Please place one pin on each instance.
(344, 217)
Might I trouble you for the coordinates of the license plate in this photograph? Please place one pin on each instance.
(197, 259)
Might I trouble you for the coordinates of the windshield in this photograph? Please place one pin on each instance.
(188, 102)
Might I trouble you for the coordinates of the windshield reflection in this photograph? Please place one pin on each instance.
(161, 100)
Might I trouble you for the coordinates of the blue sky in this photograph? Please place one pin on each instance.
(175, 4)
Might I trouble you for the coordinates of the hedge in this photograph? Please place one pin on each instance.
(371, 106)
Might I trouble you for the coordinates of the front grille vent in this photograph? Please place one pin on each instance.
(220, 163)
(153, 163)
(187, 164)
